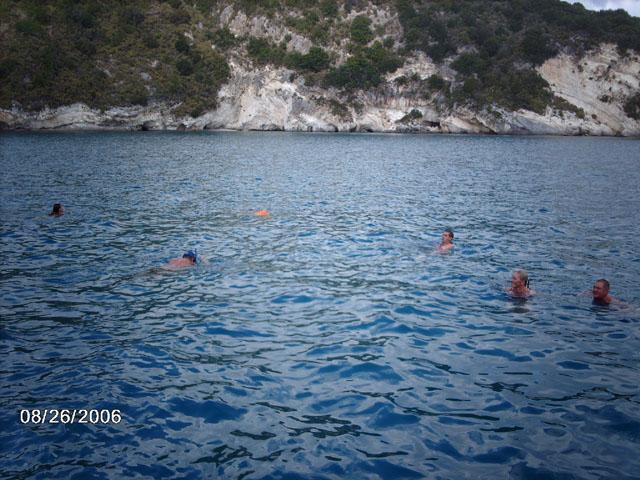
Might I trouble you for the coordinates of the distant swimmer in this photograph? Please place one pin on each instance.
(262, 213)
(520, 285)
(189, 259)
(57, 211)
(600, 293)
(447, 241)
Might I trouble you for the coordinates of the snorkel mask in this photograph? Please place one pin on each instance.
(192, 255)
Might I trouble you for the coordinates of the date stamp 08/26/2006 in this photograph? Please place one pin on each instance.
(69, 416)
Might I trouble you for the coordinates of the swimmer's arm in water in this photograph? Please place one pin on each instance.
(621, 304)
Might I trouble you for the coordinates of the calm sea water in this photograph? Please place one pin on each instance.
(327, 340)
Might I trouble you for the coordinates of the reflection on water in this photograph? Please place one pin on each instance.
(326, 340)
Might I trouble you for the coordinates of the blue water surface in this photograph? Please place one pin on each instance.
(327, 340)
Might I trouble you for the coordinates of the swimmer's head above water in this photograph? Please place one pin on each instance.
(520, 278)
(447, 241)
(191, 255)
(600, 291)
(520, 284)
(57, 210)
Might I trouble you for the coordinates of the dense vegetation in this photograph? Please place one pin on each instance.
(365, 68)
(108, 53)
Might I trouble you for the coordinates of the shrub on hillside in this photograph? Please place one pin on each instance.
(205, 6)
(436, 82)
(360, 30)
(223, 38)
(315, 60)
(28, 27)
(632, 106)
(412, 116)
(329, 8)
(7, 67)
(184, 67)
(561, 104)
(536, 46)
(132, 15)
(357, 72)
(263, 52)
(150, 41)
(383, 59)
(364, 69)
(469, 63)
(182, 45)
(523, 89)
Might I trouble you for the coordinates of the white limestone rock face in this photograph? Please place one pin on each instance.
(265, 99)
(419, 65)
(464, 121)
(269, 99)
(260, 26)
(79, 116)
(599, 83)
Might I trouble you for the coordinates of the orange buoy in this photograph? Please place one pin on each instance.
(262, 213)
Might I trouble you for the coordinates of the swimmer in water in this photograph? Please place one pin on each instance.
(189, 259)
(600, 293)
(447, 241)
(520, 285)
(57, 211)
(262, 213)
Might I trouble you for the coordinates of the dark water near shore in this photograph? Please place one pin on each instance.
(327, 340)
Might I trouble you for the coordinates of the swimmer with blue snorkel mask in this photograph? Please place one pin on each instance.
(189, 259)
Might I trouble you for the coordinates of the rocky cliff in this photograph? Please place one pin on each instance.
(591, 89)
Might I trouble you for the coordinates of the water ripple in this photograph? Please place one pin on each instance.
(327, 340)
